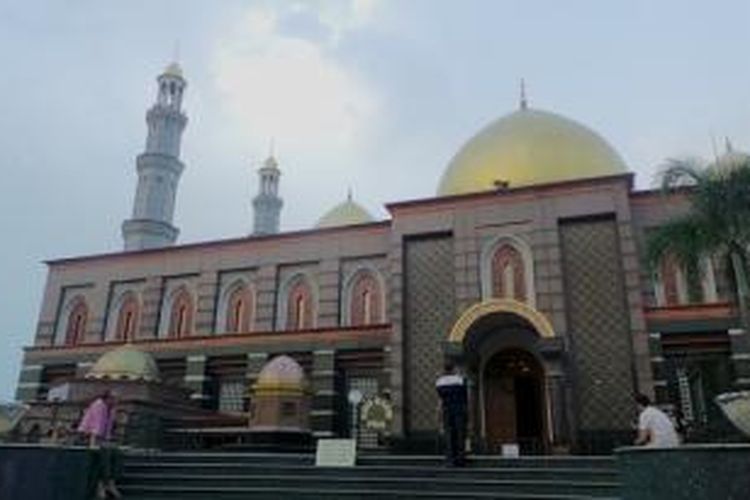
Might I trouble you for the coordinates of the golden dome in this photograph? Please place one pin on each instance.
(125, 363)
(282, 371)
(174, 69)
(347, 213)
(529, 147)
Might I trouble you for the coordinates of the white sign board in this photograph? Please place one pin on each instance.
(336, 453)
(511, 451)
(59, 393)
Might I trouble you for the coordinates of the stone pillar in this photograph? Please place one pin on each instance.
(29, 382)
(265, 305)
(322, 413)
(205, 306)
(328, 294)
(658, 370)
(195, 378)
(255, 363)
(558, 425)
(149, 316)
(740, 343)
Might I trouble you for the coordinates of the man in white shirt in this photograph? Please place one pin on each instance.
(655, 429)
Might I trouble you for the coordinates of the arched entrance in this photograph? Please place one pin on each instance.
(513, 397)
(514, 362)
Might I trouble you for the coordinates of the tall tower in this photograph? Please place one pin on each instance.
(267, 204)
(159, 168)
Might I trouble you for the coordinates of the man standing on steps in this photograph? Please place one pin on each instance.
(451, 387)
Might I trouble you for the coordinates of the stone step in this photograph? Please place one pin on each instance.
(478, 461)
(133, 467)
(134, 492)
(371, 482)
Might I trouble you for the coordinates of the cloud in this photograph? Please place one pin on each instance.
(275, 83)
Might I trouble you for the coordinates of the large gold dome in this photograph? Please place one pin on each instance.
(529, 147)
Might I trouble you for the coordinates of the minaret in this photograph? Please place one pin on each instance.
(267, 204)
(159, 168)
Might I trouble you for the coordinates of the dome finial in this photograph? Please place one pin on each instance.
(349, 194)
(524, 103)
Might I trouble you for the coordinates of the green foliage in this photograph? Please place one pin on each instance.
(718, 222)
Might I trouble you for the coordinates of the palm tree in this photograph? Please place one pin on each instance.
(717, 224)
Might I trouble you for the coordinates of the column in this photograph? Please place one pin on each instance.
(322, 416)
(29, 382)
(196, 380)
(255, 363)
(740, 343)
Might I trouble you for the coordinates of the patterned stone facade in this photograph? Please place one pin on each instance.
(430, 312)
(599, 327)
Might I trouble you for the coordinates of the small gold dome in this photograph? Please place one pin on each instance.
(529, 147)
(125, 363)
(281, 371)
(347, 213)
(174, 69)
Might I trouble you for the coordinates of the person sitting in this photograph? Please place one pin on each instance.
(96, 424)
(655, 429)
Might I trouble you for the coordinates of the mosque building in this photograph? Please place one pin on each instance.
(526, 268)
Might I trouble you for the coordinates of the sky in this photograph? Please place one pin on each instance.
(369, 95)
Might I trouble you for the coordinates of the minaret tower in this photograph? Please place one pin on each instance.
(267, 204)
(159, 168)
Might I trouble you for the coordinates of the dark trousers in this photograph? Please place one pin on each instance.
(455, 437)
(105, 465)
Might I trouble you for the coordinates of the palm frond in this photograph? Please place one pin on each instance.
(675, 173)
(684, 238)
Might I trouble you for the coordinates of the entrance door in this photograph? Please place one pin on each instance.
(513, 407)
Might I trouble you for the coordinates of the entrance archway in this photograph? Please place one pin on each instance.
(516, 371)
(513, 394)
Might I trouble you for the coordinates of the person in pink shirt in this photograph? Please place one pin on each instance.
(97, 424)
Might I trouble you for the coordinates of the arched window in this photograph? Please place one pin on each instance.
(76, 327)
(508, 275)
(239, 313)
(365, 300)
(127, 318)
(673, 285)
(181, 315)
(300, 312)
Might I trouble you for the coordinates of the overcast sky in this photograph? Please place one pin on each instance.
(375, 95)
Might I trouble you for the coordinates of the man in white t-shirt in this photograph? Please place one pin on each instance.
(655, 429)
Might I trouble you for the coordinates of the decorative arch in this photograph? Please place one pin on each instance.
(128, 315)
(298, 303)
(236, 308)
(495, 306)
(180, 314)
(76, 321)
(364, 298)
(507, 269)
(671, 286)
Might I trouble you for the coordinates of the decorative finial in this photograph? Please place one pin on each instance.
(176, 52)
(349, 194)
(524, 102)
(272, 147)
(728, 145)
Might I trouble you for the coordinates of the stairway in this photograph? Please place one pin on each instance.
(230, 476)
